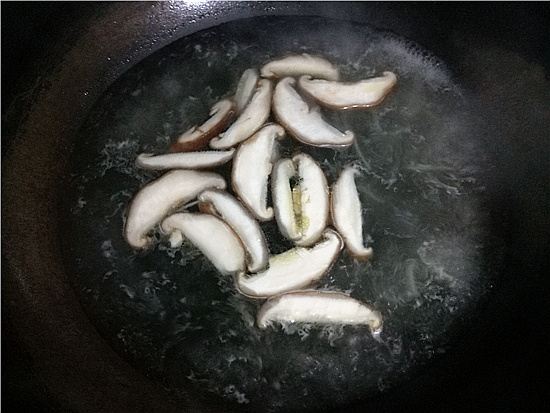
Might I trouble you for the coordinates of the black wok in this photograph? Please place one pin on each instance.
(54, 359)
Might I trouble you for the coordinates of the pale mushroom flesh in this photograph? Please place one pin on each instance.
(302, 64)
(162, 196)
(294, 269)
(301, 199)
(242, 222)
(245, 89)
(184, 160)
(250, 120)
(227, 231)
(314, 306)
(252, 166)
(304, 123)
(224, 250)
(311, 199)
(283, 198)
(198, 136)
(338, 96)
(346, 212)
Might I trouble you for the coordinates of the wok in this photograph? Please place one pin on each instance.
(55, 359)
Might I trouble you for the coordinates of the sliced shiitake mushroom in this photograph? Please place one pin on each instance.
(311, 193)
(245, 89)
(199, 136)
(297, 65)
(252, 167)
(314, 306)
(243, 223)
(346, 213)
(300, 199)
(293, 269)
(158, 198)
(284, 172)
(339, 96)
(251, 119)
(211, 235)
(304, 123)
(184, 160)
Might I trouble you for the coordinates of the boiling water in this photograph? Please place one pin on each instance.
(168, 311)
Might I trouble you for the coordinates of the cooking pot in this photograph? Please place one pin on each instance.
(55, 359)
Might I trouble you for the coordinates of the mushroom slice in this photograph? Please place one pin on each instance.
(297, 65)
(323, 307)
(212, 236)
(346, 213)
(312, 195)
(245, 88)
(301, 199)
(251, 119)
(303, 123)
(245, 226)
(160, 197)
(199, 136)
(184, 160)
(252, 166)
(338, 96)
(283, 199)
(294, 269)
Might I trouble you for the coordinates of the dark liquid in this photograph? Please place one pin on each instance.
(173, 317)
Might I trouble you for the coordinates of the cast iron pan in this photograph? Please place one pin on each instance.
(56, 356)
